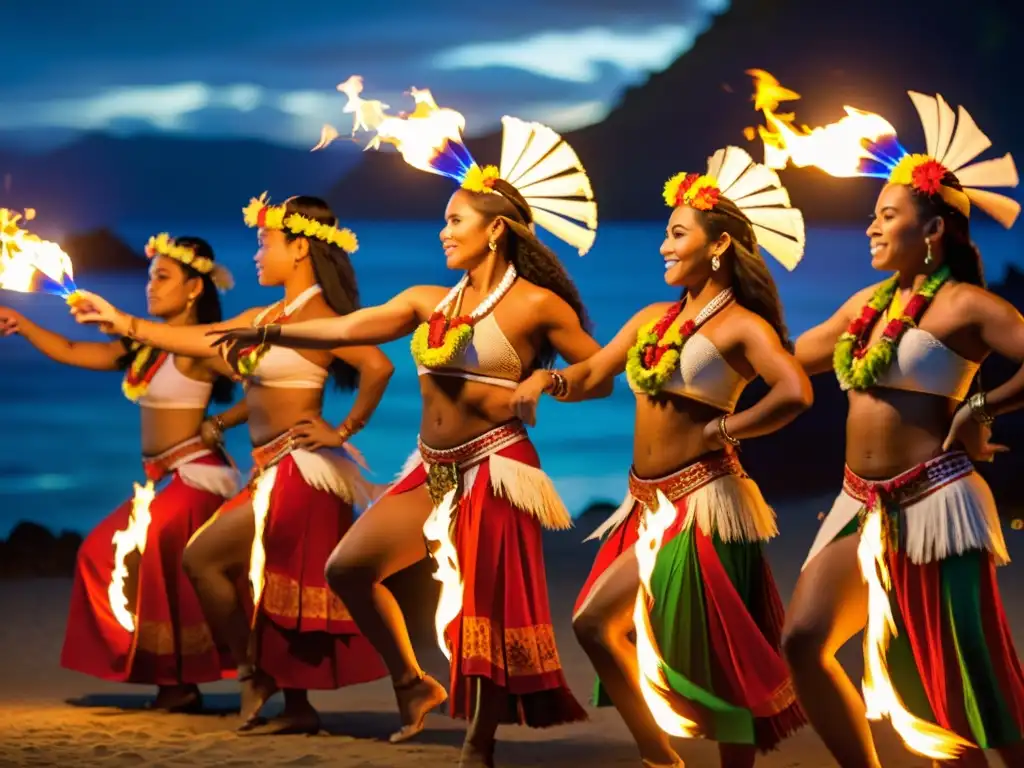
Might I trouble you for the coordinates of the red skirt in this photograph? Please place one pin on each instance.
(169, 641)
(305, 637)
(503, 632)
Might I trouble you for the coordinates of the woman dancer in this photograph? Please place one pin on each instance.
(716, 617)
(306, 481)
(913, 510)
(134, 617)
(476, 472)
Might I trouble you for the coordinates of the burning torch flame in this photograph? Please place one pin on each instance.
(437, 530)
(836, 148)
(880, 696)
(368, 113)
(262, 489)
(653, 684)
(132, 538)
(28, 263)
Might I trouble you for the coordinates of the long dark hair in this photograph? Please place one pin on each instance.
(532, 259)
(334, 273)
(208, 311)
(752, 283)
(958, 250)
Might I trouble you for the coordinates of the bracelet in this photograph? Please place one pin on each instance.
(724, 433)
(218, 422)
(559, 386)
(976, 403)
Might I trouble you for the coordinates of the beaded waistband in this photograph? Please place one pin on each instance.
(912, 485)
(159, 466)
(685, 481)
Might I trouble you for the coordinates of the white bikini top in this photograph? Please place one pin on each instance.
(924, 364)
(283, 367)
(703, 375)
(170, 388)
(489, 358)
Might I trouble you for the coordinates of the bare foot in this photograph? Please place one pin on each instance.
(415, 701)
(677, 764)
(304, 721)
(257, 688)
(177, 698)
(474, 756)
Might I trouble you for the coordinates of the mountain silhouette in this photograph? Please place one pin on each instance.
(101, 180)
(866, 54)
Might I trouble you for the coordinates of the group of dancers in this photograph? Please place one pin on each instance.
(278, 584)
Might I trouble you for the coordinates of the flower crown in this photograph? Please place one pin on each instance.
(535, 160)
(692, 189)
(164, 245)
(755, 190)
(260, 213)
(949, 150)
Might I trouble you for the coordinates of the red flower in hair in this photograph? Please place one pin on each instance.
(705, 199)
(928, 176)
(685, 186)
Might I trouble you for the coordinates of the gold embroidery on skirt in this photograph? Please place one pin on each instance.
(157, 638)
(281, 597)
(521, 651)
(441, 478)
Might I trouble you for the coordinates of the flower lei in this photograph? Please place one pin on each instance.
(858, 366)
(141, 372)
(659, 344)
(440, 340)
(248, 358)
(164, 245)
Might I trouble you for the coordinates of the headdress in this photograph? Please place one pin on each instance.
(535, 160)
(755, 189)
(952, 142)
(260, 213)
(164, 245)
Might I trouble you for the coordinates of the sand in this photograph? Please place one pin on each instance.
(49, 716)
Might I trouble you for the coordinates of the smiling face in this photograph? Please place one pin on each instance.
(897, 233)
(169, 288)
(686, 250)
(466, 233)
(276, 256)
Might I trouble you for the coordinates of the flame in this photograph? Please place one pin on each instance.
(423, 134)
(836, 148)
(653, 684)
(368, 113)
(132, 538)
(262, 488)
(29, 263)
(880, 696)
(437, 530)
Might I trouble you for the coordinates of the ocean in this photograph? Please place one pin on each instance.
(70, 448)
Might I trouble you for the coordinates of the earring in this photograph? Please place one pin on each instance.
(715, 263)
(928, 255)
(492, 245)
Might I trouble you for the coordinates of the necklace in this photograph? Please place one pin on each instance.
(249, 357)
(442, 338)
(659, 344)
(142, 370)
(859, 366)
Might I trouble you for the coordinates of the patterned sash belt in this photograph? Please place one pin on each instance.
(912, 485)
(158, 467)
(684, 481)
(446, 465)
(267, 455)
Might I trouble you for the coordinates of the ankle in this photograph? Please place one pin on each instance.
(408, 680)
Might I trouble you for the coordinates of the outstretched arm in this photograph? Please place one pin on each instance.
(789, 392)
(92, 355)
(185, 340)
(371, 325)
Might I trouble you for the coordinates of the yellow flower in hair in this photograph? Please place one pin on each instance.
(260, 213)
(480, 179)
(903, 173)
(692, 189)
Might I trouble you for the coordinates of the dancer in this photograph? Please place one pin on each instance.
(134, 617)
(306, 481)
(915, 531)
(475, 489)
(716, 619)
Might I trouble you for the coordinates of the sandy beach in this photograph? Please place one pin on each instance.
(49, 716)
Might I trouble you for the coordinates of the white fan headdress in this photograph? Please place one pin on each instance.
(756, 190)
(952, 142)
(535, 160)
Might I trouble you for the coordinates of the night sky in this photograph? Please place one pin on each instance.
(263, 70)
